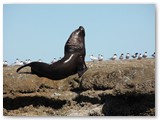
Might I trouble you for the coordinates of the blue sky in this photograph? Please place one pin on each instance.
(33, 31)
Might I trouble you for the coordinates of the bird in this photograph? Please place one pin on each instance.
(29, 61)
(25, 62)
(16, 62)
(127, 56)
(40, 60)
(93, 58)
(54, 60)
(135, 55)
(114, 57)
(154, 55)
(100, 57)
(21, 63)
(121, 57)
(5, 63)
(140, 56)
(60, 58)
(145, 55)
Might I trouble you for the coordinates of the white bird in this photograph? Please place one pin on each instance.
(29, 61)
(154, 55)
(127, 56)
(17, 62)
(39, 60)
(135, 55)
(25, 62)
(5, 63)
(140, 56)
(121, 57)
(60, 58)
(145, 55)
(100, 57)
(114, 57)
(93, 58)
(54, 60)
(21, 63)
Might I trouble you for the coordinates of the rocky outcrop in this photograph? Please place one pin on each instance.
(108, 88)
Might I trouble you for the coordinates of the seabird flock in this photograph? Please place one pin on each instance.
(122, 57)
(27, 61)
(92, 58)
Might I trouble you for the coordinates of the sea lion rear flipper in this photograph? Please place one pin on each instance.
(23, 66)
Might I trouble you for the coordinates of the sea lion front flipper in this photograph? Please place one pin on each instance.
(81, 72)
(82, 68)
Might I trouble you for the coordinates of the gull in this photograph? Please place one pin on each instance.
(5, 63)
(100, 57)
(114, 57)
(140, 56)
(121, 56)
(145, 55)
(127, 56)
(154, 55)
(135, 55)
(93, 58)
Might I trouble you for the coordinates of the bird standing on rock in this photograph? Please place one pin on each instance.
(114, 57)
(140, 56)
(40, 60)
(127, 56)
(100, 57)
(93, 58)
(17, 62)
(121, 56)
(145, 55)
(54, 60)
(154, 55)
(135, 55)
(5, 63)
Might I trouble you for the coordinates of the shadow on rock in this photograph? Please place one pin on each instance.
(122, 105)
(12, 104)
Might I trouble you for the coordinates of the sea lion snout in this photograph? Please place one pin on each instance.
(81, 28)
(80, 31)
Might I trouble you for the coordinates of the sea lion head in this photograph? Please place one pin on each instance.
(75, 42)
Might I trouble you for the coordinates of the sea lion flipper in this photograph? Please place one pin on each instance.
(82, 68)
(81, 72)
(23, 67)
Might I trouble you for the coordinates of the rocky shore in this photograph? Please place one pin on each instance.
(108, 88)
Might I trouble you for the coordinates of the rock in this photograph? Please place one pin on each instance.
(108, 88)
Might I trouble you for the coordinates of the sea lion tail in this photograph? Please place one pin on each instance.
(23, 66)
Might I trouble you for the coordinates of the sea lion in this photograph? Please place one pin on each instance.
(73, 61)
